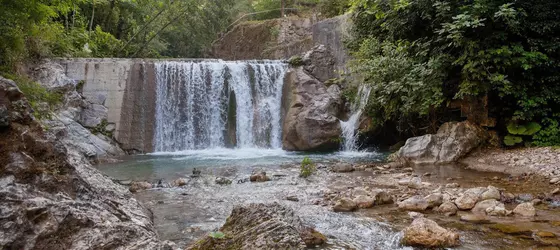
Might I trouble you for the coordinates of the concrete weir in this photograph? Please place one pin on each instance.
(185, 104)
(127, 88)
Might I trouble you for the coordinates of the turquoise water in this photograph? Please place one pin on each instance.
(173, 165)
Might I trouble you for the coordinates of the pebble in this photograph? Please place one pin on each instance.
(556, 191)
(474, 218)
(555, 180)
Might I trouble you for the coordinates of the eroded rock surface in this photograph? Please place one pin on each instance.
(310, 122)
(427, 233)
(262, 226)
(51, 198)
(452, 141)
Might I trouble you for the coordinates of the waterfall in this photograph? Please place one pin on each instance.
(350, 126)
(214, 103)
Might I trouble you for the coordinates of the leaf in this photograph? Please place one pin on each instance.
(531, 128)
(217, 235)
(516, 129)
(511, 140)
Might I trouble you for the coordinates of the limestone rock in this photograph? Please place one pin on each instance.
(427, 233)
(261, 226)
(475, 218)
(452, 141)
(4, 117)
(364, 201)
(180, 182)
(469, 199)
(259, 176)
(342, 168)
(482, 206)
(93, 115)
(52, 76)
(414, 203)
(345, 205)
(312, 238)
(448, 208)
(223, 181)
(310, 121)
(136, 186)
(319, 63)
(525, 209)
(434, 200)
(491, 193)
(56, 199)
(381, 197)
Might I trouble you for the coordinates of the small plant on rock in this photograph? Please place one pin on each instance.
(217, 235)
(307, 168)
(295, 61)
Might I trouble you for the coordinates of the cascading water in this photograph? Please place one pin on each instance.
(349, 127)
(210, 104)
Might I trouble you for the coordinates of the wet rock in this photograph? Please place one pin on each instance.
(222, 181)
(452, 185)
(180, 182)
(364, 201)
(469, 199)
(292, 198)
(525, 197)
(345, 205)
(545, 234)
(525, 209)
(381, 197)
(260, 226)
(475, 218)
(452, 141)
(434, 200)
(448, 208)
(4, 117)
(415, 215)
(311, 122)
(536, 202)
(555, 180)
(414, 182)
(427, 233)
(136, 186)
(498, 211)
(414, 203)
(508, 197)
(259, 176)
(312, 238)
(342, 168)
(482, 206)
(491, 193)
(555, 191)
(195, 173)
(513, 229)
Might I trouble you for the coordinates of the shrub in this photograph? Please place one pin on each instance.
(42, 101)
(307, 168)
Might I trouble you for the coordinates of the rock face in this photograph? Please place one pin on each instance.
(525, 209)
(69, 122)
(51, 198)
(319, 63)
(310, 121)
(261, 226)
(452, 141)
(427, 233)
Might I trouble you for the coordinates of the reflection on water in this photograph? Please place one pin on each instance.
(170, 165)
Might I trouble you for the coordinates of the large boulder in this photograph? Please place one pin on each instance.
(261, 226)
(319, 63)
(452, 141)
(427, 233)
(51, 197)
(310, 120)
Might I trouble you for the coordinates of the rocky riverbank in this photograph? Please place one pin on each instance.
(366, 206)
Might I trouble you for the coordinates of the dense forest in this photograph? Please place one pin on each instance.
(417, 56)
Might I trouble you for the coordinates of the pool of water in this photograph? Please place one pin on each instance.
(171, 165)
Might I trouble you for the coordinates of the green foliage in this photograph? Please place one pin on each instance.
(331, 8)
(307, 168)
(418, 56)
(349, 94)
(295, 61)
(523, 129)
(42, 101)
(550, 134)
(511, 140)
(217, 235)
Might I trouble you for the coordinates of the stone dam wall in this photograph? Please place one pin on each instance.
(126, 87)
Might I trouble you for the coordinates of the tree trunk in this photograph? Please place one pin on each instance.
(282, 9)
(92, 16)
